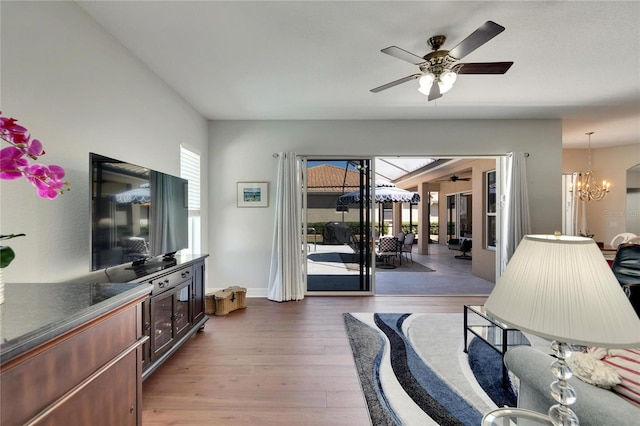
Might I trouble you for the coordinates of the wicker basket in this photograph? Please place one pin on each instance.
(209, 304)
(228, 299)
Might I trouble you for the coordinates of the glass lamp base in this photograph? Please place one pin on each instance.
(561, 390)
(562, 416)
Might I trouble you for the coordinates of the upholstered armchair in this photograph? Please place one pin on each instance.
(626, 268)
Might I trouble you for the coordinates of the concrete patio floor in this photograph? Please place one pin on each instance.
(450, 276)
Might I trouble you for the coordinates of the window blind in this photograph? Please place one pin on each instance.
(190, 170)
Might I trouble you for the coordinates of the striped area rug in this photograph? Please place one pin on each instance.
(413, 369)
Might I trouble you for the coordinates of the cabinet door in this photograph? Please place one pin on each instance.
(45, 377)
(162, 331)
(109, 399)
(182, 314)
(198, 292)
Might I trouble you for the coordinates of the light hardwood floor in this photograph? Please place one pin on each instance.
(274, 364)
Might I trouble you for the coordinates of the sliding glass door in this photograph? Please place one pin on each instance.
(337, 231)
(459, 215)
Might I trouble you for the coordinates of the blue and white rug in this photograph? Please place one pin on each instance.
(413, 370)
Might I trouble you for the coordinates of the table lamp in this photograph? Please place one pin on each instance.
(561, 288)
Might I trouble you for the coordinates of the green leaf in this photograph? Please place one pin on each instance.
(6, 256)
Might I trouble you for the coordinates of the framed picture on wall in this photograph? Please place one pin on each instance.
(253, 194)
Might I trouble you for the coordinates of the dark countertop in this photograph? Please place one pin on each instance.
(33, 313)
(127, 273)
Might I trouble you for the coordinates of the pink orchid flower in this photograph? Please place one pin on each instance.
(34, 149)
(14, 161)
(46, 179)
(11, 163)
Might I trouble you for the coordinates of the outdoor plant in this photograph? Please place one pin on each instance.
(18, 161)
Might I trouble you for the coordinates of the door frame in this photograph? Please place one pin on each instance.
(366, 215)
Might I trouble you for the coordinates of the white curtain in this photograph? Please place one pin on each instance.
(286, 280)
(581, 227)
(571, 205)
(167, 214)
(517, 222)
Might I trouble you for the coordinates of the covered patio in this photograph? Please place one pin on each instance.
(438, 273)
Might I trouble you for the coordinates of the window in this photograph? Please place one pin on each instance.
(491, 209)
(190, 170)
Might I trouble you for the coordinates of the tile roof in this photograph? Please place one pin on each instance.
(330, 178)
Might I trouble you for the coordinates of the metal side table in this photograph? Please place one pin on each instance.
(515, 416)
(497, 335)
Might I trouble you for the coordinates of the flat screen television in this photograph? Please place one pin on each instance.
(137, 214)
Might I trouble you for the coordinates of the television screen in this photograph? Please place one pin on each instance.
(136, 213)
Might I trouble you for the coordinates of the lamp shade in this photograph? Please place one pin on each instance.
(561, 288)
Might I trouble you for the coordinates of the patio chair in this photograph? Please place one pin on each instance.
(387, 249)
(461, 244)
(407, 246)
(465, 248)
(400, 238)
(134, 248)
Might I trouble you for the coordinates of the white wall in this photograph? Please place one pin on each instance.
(79, 91)
(240, 238)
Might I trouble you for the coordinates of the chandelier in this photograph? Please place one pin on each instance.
(587, 187)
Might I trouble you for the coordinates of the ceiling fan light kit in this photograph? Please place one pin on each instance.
(445, 81)
(439, 69)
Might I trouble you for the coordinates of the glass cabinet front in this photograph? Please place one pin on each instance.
(162, 320)
(182, 305)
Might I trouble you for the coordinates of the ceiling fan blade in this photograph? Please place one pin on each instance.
(453, 178)
(434, 93)
(486, 32)
(396, 52)
(395, 83)
(485, 68)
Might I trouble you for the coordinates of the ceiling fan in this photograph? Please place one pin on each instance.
(440, 68)
(454, 178)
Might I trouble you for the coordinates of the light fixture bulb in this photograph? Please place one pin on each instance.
(447, 78)
(427, 79)
(425, 83)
